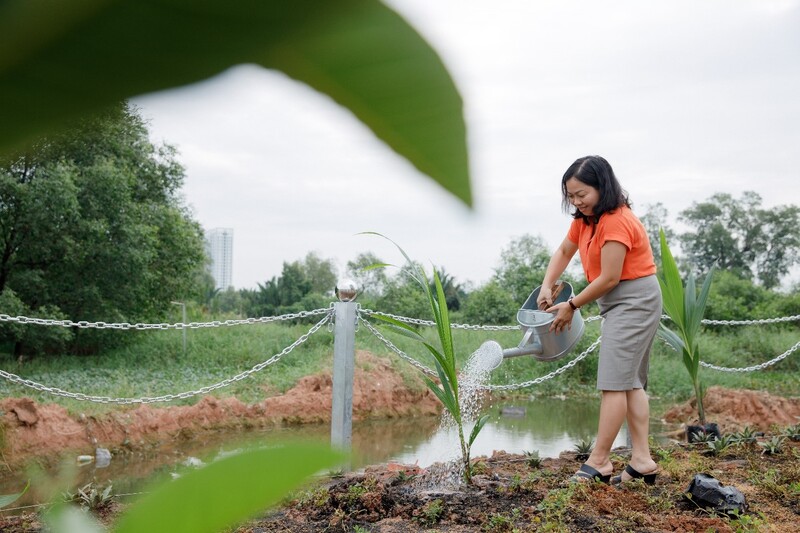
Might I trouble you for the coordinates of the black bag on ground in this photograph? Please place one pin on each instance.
(706, 491)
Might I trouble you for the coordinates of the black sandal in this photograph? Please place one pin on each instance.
(586, 472)
(650, 478)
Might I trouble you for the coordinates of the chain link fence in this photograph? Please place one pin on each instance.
(363, 314)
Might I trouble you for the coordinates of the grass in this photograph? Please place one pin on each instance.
(154, 364)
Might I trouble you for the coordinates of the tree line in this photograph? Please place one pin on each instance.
(93, 227)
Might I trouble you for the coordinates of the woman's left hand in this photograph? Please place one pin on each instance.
(563, 319)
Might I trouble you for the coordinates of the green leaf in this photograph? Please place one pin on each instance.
(671, 284)
(671, 337)
(227, 491)
(401, 328)
(8, 499)
(450, 392)
(62, 60)
(375, 266)
(69, 519)
(445, 334)
(477, 429)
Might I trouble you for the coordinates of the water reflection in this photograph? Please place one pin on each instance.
(547, 425)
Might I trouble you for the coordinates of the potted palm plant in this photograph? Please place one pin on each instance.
(685, 307)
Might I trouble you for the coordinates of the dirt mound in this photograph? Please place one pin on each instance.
(512, 494)
(42, 430)
(735, 409)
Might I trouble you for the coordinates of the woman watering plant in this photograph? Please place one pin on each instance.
(619, 266)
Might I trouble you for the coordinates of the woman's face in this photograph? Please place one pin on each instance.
(583, 197)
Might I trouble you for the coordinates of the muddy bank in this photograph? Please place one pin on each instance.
(732, 410)
(33, 430)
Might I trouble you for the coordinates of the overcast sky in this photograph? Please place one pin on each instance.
(685, 98)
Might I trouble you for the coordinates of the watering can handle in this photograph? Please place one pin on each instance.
(556, 289)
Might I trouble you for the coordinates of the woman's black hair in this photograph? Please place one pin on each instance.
(596, 172)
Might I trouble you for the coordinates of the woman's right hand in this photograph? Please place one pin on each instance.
(545, 298)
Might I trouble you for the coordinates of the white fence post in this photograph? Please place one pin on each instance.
(343, 367)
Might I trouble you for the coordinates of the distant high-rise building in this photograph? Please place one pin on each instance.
(219, 245)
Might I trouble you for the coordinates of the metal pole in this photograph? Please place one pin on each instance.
(343, 368)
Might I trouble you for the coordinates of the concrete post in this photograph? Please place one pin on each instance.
(343, 367)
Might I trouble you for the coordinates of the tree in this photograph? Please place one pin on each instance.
(279, 293)
(523, 264)
(740, 236)
(371, 282)
(402, 295)
(320, 273)
(453, 291)
(655, 219)
(92, 227)
(490, 304)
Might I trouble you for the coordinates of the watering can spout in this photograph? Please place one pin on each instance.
(529, 345)
(533, 349)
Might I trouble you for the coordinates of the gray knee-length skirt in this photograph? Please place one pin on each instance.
(631, 313)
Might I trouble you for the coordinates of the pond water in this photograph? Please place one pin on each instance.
(546, 425)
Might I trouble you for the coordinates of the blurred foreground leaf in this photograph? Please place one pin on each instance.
(227, 491)
(62, 60)
(8, 499)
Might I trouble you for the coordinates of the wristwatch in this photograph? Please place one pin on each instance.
(572, 305)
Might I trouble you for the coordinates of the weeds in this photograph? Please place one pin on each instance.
(747, 436)
(702, 437)
(498, 523)
(91, 497)
(773, 446)
(403, 476)
(533, 459)
(584, 448)
(793, 433)
(431, 513)
(721, 445)
(317, 498)
(555, 505)
(747, 523)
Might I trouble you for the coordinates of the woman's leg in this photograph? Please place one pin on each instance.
(613, 408)
(639, 428)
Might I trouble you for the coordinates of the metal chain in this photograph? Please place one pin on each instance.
(167, 397)
(395, 349)
(760, 321)
(551, 375)
(511, 386)
(762, 366)
(793, 318)
(142, 326)
(421, 322)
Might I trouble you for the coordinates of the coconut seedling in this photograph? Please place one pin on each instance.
(685, 306)
(447, 390)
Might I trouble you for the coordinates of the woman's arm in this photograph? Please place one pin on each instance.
(558, 264)
(612, 256)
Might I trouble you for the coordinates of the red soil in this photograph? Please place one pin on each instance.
(44, 430)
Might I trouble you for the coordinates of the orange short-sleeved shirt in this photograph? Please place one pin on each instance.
(621, 225)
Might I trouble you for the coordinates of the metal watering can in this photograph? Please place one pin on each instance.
(537, 340)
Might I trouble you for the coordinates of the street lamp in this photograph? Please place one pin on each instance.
(183, 314)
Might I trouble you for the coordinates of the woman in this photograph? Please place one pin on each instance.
(618, 263)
